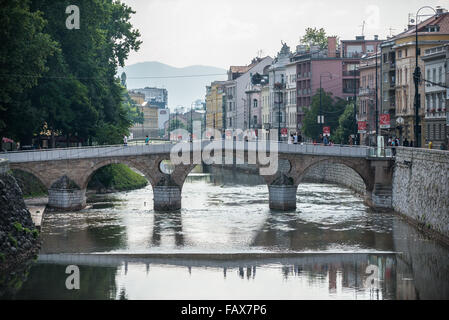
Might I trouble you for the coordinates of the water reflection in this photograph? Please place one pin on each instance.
(226, 243)
(308, 276)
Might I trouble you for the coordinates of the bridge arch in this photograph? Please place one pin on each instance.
(132, 164)
(40, 176)
(360, 168)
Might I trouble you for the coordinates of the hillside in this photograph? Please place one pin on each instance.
(181, 90)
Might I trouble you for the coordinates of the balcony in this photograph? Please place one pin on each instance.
(349, 90)
(352, 73)
(366, 91)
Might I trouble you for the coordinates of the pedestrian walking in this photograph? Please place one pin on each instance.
(290, 139)
(325, 140)
(125, 141)
(295, 138)
(147, 140)
(430, 145)
(405, 143)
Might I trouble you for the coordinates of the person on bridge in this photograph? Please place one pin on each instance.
(325, 140)
(125, 141)
(147, 140)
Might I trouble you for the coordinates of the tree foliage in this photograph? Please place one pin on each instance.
(74, 90)
(331, 109)
(346, 124)
(315, 37)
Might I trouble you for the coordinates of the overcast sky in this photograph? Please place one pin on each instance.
(230, 32)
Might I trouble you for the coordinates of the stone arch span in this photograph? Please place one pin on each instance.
(147, 172)
(337, 172)
(361, 167)
(43, 178)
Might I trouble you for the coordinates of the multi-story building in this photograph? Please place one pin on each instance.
(155, 96)
(138, 98)
(278, 85)
(265, 98)
(253, 109)
(238, 79)
(435, 61)
(387, 85)
(215, 105)
(366, 102)
(432, 32)
(290, 108)
(335, 69)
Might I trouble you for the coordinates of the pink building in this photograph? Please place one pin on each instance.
(336, 67)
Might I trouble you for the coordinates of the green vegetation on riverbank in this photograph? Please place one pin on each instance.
(116, 177)
(31, 186)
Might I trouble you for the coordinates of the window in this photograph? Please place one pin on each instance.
(400, 54)
(440, 75)
(255, 103)
(434, 78)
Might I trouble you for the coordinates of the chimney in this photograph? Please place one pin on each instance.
(441, 10)
(332, 47)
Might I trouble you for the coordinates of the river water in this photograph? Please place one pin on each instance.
(226, 244)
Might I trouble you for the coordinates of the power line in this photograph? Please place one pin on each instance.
(94, 78)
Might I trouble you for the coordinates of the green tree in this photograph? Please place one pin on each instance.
(84, 72)
(346, 125)
(24, 51)
(331, 109)
(315, 37)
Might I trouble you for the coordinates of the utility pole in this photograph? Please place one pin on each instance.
(377, 102)
(355, 106)
(417, 79)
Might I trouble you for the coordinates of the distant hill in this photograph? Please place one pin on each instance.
(181, 91)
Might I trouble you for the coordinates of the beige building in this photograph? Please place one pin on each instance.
(215, 104)
(150, 125)
(431, 32)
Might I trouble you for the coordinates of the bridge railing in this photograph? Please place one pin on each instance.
(142, 149)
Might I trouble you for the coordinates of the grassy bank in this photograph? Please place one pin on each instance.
(116, 177)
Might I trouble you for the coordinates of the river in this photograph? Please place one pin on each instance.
(226, 244)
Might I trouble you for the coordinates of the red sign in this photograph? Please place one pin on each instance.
(326, 131)
(362, 126)
(384, 122)
(284, 132)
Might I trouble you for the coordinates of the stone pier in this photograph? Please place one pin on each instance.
(65, 195)
(282, 197)
(167, 198)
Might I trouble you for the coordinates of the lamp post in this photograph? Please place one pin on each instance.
(417, 78)
(321, 116)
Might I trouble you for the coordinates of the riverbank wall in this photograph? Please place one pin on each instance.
(421, 189)
(19, 238)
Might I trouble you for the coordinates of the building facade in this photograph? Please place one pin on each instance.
(435, 61)
(366, 101)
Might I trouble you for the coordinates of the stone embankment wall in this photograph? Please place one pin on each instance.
(336, 173)
(18, 235)
(421, 188)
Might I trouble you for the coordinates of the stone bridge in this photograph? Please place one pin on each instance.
(67, 172)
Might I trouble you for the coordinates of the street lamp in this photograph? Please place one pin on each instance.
(417, 78)
(321, 116)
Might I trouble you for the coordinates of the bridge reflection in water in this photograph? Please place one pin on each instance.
(322, 250)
